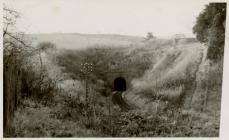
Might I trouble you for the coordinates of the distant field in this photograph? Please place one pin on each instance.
(79, 41)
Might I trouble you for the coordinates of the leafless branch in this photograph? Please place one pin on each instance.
(10, 11)
(17, 39)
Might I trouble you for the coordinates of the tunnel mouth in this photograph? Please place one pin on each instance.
(120, 84)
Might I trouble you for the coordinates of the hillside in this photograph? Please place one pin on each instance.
(160, 75)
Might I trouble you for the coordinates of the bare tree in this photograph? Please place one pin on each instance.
(16, 53)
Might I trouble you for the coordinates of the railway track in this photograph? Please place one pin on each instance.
(118, 99)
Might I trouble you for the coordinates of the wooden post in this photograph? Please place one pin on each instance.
(86, 90)
(206, 91)
(157, 99)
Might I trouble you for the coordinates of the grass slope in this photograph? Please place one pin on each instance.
(170, 76)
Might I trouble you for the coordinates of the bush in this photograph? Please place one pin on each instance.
(37, 80)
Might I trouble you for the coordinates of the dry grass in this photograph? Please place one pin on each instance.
(37, 120)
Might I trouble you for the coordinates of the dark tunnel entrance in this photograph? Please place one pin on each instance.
(120, 84)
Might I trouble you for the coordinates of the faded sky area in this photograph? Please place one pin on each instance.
(128, 17)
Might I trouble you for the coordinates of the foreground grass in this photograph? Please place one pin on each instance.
(34, 119)
(67, 118)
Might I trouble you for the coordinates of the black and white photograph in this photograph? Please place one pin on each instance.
(112, 68)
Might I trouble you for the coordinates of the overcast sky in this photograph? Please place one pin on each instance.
(129, 17)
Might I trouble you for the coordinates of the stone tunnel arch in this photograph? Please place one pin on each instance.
(120, 84)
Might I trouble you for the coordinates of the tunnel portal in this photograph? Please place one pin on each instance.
(120, 84)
